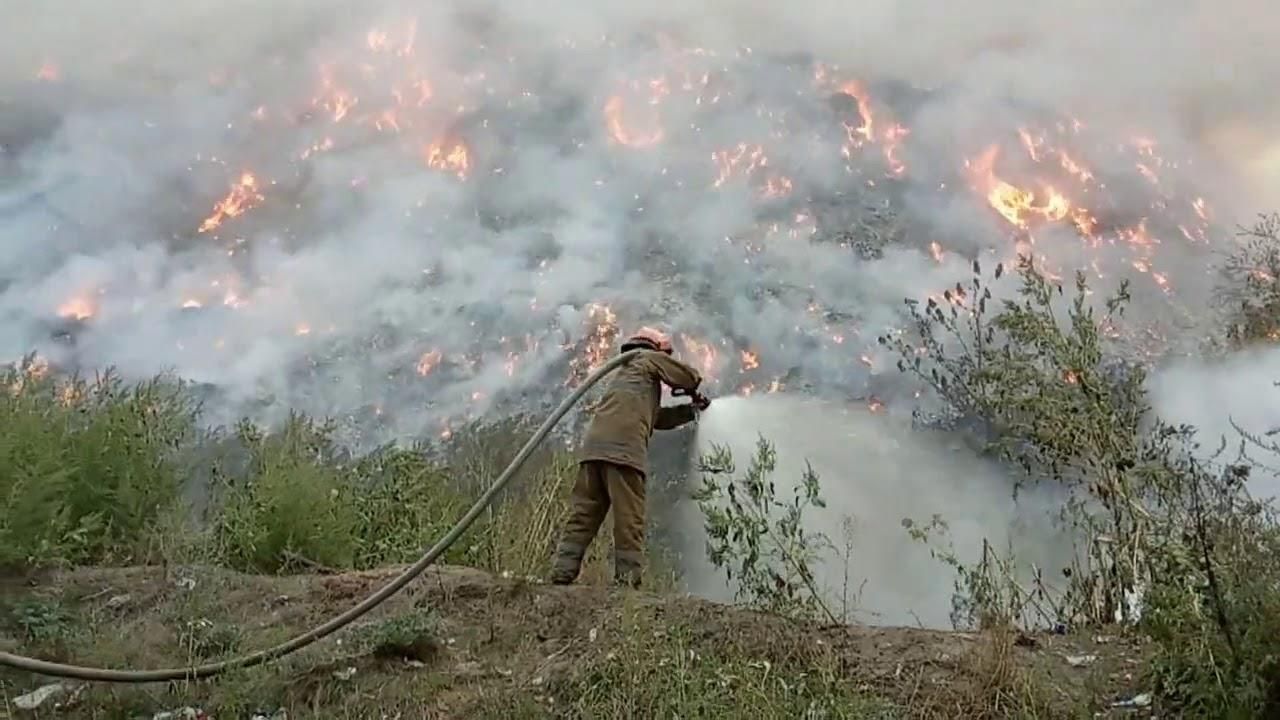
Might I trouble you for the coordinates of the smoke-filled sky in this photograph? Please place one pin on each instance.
(406, 215)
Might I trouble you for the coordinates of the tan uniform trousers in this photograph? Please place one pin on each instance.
(601, 485)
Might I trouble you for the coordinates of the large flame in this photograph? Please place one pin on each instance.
(1017, 205)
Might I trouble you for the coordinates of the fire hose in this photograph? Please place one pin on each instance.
(96, 674)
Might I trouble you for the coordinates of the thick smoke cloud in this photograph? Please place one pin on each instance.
(359, 281)
(405, 214)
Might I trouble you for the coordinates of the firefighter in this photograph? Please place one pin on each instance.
(612, 461)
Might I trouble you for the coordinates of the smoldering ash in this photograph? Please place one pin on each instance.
(408, 220)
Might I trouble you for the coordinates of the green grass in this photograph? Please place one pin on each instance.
(645, 663)
(669, 673)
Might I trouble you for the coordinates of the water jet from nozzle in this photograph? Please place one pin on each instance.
(876, 471)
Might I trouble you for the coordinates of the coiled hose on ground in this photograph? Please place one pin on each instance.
(79, 672)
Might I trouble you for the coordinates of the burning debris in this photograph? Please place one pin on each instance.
(457, 231)
(243, 195)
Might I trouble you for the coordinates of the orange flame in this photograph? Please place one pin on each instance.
(324, 145)
(855, 90)
(243, 195)
(428, 362)
(449, 156)
(705, 353)
(746, 159)
(1032, 144)
(1014, 203)
(80, 307)
(599, 344)
(619, 132)
(866, 132)
(1071, 166)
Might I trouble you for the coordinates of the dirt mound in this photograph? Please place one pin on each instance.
(463, 643)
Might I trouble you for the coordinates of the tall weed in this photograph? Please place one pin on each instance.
(86, 466)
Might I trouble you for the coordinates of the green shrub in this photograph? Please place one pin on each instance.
(295, 507)
(415, 636)
(44, 625)
(1249, 291)
(1213, 609)
(1171, 538)
(86, 467)
(301, 504)
(404, 504)
(91, 472)
(758, 540)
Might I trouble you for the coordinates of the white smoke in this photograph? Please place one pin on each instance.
(876, 472)
(359, 263)
(1219, 396)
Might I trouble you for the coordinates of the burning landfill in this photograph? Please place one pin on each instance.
(409, 220)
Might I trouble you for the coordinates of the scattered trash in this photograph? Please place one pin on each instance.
(185, 582)
(1081, 660)
(186, 713)
(280, 714)
(591, 636)
(37, 697)
(345, 674)
(1140, 700)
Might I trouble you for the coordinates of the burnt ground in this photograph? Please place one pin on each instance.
(460, 642)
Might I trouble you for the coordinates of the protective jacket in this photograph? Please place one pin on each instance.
(630, 410)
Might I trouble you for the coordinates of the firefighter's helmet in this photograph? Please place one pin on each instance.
(647, 337)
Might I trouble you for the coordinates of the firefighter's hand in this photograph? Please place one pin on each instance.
(700, 402)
